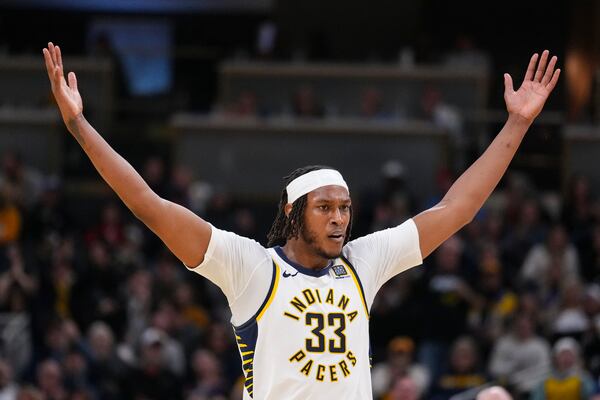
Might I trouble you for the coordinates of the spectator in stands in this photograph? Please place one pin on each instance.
(524, 232)
(180, 185)
(166, 277)
(578, 208)
(591, 339)
(163, 322)
(10, 216)
(97, 291)
(245, 105)
(190, 322)
(139, 303)
(110, 229)
(106, 370)
(392, 201)
(305, 104)
(371, 104)
(50, 380)
(399, 365)
(446, 116)
(464, 372)
(499, 302)
(17, 284)
(221, 343)
(590, 255)
(208, 376)
(520, 358)
(49, 218)
(403, 388)
(75, 369)
(568, 379)
(446, 303)
(151, 378)
(570, 318)
(56, 289)
(60, 336)
(192, 313)
(556, 252)
(8, 387)
(466, 54)
(25, 180)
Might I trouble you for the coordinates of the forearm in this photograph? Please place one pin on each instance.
(474, 186)
(114, 169)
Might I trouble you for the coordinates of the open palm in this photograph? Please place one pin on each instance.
(66, 94)
(537, 85)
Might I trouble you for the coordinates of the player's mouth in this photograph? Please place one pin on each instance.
(336, 236)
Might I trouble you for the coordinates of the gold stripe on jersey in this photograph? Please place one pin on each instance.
(272, 295)
(358, 285)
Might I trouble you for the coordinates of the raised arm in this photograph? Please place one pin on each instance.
(184, 233)
(474, 186)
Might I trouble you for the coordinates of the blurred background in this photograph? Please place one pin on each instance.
(214, 101)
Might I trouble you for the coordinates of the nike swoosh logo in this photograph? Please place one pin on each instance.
(287, 274)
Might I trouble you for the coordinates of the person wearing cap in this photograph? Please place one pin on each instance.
(300, 308)
(568, 379)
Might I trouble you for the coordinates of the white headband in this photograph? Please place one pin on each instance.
(313, 180)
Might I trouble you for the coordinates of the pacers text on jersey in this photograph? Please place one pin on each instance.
(321, 323)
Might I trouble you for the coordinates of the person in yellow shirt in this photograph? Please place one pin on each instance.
(10, 217)
(568, 379)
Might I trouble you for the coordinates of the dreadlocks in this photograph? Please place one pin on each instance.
(288, 227)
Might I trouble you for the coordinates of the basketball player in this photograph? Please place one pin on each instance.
(300, 308)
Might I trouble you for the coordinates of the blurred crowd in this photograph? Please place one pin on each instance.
(94, 307)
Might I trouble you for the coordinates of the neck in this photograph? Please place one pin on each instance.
(301, 253)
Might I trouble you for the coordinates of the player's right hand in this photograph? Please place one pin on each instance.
(66, 94)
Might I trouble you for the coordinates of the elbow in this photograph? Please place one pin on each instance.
(465, 212)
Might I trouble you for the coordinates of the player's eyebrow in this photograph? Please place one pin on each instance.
(323, 200)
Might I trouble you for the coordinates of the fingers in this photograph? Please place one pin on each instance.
(72, 81)
(531, 68)
(53, 60)
(549, 71)
(49, 63)
(541, 66)
(508, 84)
(58, 57)
(52, 53)
(553, 81)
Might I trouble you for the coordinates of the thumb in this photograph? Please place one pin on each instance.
(73, 81)
(508, 84)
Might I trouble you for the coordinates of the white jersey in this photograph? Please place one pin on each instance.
(308, 334)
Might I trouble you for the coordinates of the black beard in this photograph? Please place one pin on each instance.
(311, 240)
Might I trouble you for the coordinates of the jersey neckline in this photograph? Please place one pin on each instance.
(300, 268)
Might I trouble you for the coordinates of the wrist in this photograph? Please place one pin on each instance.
(519, 121)
(73, 120)
(76, 126)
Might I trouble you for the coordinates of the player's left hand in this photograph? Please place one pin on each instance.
(528, 101)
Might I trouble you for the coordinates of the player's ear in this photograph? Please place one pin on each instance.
(287, 209)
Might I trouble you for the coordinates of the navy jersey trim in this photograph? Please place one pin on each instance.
(246, 340)
(300, 268)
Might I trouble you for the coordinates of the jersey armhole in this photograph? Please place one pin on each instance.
(267, 301)
(358, 283)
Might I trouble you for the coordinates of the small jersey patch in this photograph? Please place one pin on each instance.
(340, 271)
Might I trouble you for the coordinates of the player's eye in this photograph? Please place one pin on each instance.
(323, 207)
(345, 208)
